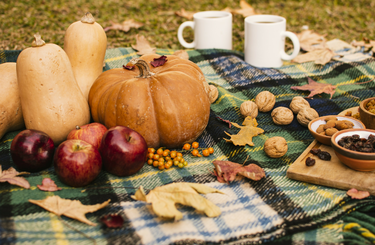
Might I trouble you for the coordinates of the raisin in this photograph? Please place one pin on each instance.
(315, 151)
(310, 161)
(324, 155)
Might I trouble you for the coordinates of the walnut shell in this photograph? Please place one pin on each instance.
(282, 115)
(305, 115)
(275, 147)
(249, 108)
(265, 101)
(298, 103)
(213, 93)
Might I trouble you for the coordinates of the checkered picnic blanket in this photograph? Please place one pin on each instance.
(275, 209)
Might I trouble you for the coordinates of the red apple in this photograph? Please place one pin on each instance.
(77, 163)
(123, 150)
(91, 133)
(32, 150)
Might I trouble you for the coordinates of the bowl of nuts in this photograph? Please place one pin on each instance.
(367, 112)
(355, 148)
(322, 128)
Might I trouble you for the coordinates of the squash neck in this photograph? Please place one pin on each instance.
(38, 41)
(88, 18)
(143, 67)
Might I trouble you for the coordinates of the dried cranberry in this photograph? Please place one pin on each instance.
(324, 155)
(315, 151)
(310, 161)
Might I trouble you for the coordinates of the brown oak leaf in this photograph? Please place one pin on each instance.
(316, 88)
(71, 208)
(143, 46)
(245, 10)
(308, 38)
(246, 133)
(356, 194)
(226, 171)
(164, 199)
(186, 14)
(48, 185)
(112, 220)
(11, 176)
(321, 55)
(124, 26)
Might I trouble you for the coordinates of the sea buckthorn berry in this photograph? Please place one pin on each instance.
(195, 145)
(150, 161)
(179, 154)
(160, 151)
(210, 150)
(169, 162)
(180, 165)
(205, 153)
(178, 158)
(185, 163)
(161, 167)
(165, 153)
(151, 150)
(156, 157)
(175, 162)
(155, 164)
(182, 160)
(167, 158)
(173, 154)
(186, 147)
(167, 166)
(161, 160)
(199, 155)
(150, 155)
(195, 152)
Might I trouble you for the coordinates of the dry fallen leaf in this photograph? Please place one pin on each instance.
(226, 171)
(316, 88)
(164, 199)
(246, 134)
(48, 185)
(186, 14)
(71, 208)
(320, 55)
(245, 10)
(10, 176)
(308, 38)
(366, 43)
(356, 194)
(182, 54)
(143, 46)
(124, 26)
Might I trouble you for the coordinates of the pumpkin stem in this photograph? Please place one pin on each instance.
(88, 18)
(38, 42)
(144, 69)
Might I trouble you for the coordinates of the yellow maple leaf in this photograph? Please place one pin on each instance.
(245, 10)
(247, 132)
(71, 208)
(164, 199)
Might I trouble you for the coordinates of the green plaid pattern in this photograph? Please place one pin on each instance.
(274, 210)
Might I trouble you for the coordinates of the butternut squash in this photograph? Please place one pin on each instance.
(85, 43)
(11, 118)
(50, 96)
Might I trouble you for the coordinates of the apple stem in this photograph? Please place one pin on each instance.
(78, 127)
(144, 69)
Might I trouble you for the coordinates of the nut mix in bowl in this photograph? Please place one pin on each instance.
(367, 112)
(322, 128)
(355, 148)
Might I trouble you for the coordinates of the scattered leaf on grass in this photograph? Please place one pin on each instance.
(316, 88)
(11, 176)
(164, 199)
(143, 46)
(245, 10)
(226, 171)
(48, 185)
(124, 26)
(182, 54)
(159, 61)
(71, 208)
(246, 134)
(112, 220)
(308, 38)
(356, 194)
(186, 14)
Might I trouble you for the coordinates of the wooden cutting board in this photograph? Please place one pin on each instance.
(331, 173)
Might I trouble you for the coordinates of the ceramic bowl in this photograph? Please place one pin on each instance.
(367, 117)
(324, 139)
(354, 159)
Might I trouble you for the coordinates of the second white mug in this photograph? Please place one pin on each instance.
(212, 29)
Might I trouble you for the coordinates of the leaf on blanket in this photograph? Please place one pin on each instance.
(226, 171)
(356, 194)
(308, 38)
(112, 220)
(316, 88)
(186, 14)
(246, 134)
(366, 43)
(245, 10)
(11, 176)
(143, 46)
(71, 208)
(182, 54)
(164, 199)
(321, 55)
(124, 26)
(48, 185)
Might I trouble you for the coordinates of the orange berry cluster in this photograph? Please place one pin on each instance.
(164, 158)
(195, 152)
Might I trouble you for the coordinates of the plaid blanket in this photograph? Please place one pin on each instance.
(273, 210)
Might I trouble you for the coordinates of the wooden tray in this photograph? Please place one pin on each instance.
(331, 173)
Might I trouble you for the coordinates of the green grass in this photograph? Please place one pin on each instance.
(347, 20)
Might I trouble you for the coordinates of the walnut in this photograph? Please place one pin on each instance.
(265, 101)
(213, 93)
(305, 115)
(298, 103)
(275, 147)
(249, 108)
(282, 115)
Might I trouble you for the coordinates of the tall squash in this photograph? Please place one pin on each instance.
(10, 105)
(85, 44)
(50, 97)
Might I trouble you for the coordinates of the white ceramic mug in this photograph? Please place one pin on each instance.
(265, 41)
(212, 29)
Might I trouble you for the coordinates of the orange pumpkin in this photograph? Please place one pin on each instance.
(168, 105)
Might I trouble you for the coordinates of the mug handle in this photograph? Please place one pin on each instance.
(181, 38)
(296, 46)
